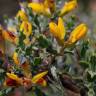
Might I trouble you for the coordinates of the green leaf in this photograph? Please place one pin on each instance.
(30, 13)
(91, 76)
(68, 52)
(51, 50)
(84, 49)
(38, 92)
(91, 92)
(2, 75)
(71, 22)
(1, 93)
(93, 62)
(44, 42)
(1, 62)
(36, 20)
(37, 61)
(21, 38)
(84, 64)
(6, 91)
(29, 50)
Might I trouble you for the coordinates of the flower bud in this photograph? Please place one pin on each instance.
(69, 6)
(77, 33)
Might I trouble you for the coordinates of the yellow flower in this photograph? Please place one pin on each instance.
(13, 76)
(22, 15)
(40, 8)
(58, 31)
(77, 33)
(9, 36)
(27, 41)
(39, 78)
(12, 80)
(50, 4)
(26, 27)
(15, 58)
(69, 6)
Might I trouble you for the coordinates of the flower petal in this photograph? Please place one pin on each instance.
(39, 8)
(15, 58)
(37, 77)
(77, 33)
(13, 76)
(58, 31)
(61, 28)
(53, 29)
(26, 27)
(9, 36)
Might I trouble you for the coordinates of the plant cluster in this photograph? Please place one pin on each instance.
(52, 54)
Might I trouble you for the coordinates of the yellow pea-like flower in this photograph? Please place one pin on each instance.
(77, 33)
(69, 6)
(58, 31)
(61, 29)
(15, 58)
(50, 4)
(26, 28)
(22, 15)
(37, 77)
(39, 8)
(13, 77)
(9, 36)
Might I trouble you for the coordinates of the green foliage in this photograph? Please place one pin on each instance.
(38, 92)
(37, 61)
(84, 48)
(21, 43)
(93, 62)
(91, 76)
(1, 62)
(6, 91)
(44, 42)
(28, 50)
(84, 64)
